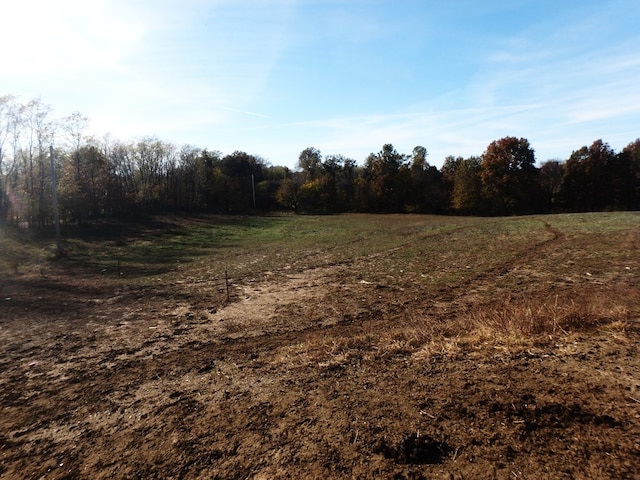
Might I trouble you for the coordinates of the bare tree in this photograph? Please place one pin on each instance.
(37, 134)
(7, 107)
(74, 126)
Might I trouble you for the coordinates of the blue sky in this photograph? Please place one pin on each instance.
(272, 77)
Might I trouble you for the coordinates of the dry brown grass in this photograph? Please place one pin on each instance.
(523, 323)
(512, 326)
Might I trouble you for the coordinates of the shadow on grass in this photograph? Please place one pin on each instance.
(153, 246)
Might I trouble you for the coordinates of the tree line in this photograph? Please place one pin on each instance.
(104, 177)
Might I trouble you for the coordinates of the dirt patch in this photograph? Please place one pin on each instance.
(322, 372)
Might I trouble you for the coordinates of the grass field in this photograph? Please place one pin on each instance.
(347, 346)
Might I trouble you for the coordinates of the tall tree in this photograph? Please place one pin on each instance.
(631, 155)
(425, 190)
(386, 173)
(586, 185)
(448, 171)
(623, 174)
(40, 131)
(287, 194)
(310, 162)
(123, 182)
(342, 172)
(8, 118)
(467, 186)
(509, 176)
(242, 171)
(153, 158)
(74, 126)
(550, 181)
(84, 184)
(419, 158)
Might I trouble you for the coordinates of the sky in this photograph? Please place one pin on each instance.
(273, 77)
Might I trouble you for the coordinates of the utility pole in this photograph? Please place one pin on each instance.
(253, 190)
(56, 215)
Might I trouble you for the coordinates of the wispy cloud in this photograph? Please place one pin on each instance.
(276, 76)
(158, 64)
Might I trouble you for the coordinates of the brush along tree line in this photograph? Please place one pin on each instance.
(101, 178)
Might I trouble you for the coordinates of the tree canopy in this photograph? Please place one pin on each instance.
(105, 177)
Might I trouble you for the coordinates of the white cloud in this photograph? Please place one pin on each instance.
(204, 72)
(57, 37)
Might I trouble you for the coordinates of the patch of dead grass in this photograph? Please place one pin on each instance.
(525, 323)
(512, 326)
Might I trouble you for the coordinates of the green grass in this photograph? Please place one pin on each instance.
(444, 278)
(402, 250)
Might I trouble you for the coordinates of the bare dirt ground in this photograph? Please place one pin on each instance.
(316, 372)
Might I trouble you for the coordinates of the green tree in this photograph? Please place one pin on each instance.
(241, 172)
(342, 173)
(211, 180)
(310, 162)
(287, 194)
(419, 158)
(466, 197)
(189, 192)
(509, 177)
(425, 190)
(586, 185)
(631, 155)
(550, 181)
(347, 183)
(386, 174)
(623, 175)
(267, 189)
(448, 172)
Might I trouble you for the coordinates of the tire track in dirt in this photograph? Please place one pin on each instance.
(306, 294)
(178, 391)
(524, 256)
(272, 314)
(487, 277)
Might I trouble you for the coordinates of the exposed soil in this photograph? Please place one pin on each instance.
(292, 378)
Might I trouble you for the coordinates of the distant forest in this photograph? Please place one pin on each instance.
(103, 178)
